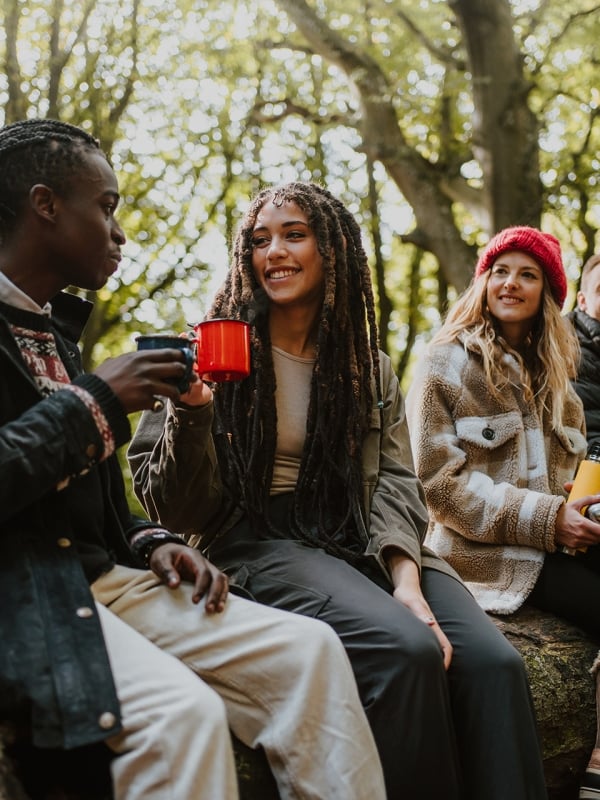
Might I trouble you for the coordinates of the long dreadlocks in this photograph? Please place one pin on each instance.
(37, 151)
(329, 487)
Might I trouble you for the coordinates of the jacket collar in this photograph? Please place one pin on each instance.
(70, 313)
(584, 324)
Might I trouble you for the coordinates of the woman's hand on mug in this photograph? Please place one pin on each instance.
(199, 393)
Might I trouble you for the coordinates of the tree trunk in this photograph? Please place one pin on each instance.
(505, 130)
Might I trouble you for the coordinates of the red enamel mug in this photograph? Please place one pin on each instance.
(222, 349)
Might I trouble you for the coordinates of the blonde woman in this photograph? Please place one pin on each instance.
(497, 431)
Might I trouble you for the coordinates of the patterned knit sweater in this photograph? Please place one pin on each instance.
(39, 351)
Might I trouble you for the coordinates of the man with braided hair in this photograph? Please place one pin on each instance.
(309, 499)
(104, 635)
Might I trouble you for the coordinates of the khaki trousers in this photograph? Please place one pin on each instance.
(278, 680)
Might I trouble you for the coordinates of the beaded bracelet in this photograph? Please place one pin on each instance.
(145, 545)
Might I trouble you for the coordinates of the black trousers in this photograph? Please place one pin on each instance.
(466, 733)
(569, 586)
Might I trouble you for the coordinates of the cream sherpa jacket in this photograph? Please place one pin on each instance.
(493, 472)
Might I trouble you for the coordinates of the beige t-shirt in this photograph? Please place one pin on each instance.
(293, 376)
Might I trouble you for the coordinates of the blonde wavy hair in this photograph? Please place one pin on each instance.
(548, 361)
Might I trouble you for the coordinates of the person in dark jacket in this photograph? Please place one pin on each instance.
(112, 628)
(586, 321)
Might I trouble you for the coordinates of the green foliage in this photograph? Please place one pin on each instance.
(200, 103)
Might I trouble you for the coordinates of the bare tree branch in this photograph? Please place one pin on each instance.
(383, 140)
(443, 55)
(59, 58)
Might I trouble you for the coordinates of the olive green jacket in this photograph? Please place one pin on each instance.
(177, 477)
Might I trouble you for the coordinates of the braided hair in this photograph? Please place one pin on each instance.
(327, 509)
(37, 151)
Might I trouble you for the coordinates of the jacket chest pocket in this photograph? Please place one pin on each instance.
(572, 441)
(497, 445)
(490, 433)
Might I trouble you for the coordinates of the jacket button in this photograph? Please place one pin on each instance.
(106, 720)
(488, 434)
(91, 450)
(84, 612)
(63, 542)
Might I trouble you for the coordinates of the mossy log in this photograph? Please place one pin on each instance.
(558, 658)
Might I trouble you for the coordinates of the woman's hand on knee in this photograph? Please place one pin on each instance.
(420, 608)
(407, 583)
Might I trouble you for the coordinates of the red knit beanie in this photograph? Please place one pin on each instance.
(542, 247)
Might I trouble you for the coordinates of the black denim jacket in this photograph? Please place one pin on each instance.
(55, 676)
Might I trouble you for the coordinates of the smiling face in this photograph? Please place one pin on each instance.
(285, 257)
(514, 294)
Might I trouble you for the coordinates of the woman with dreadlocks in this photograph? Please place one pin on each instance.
(299, 483)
